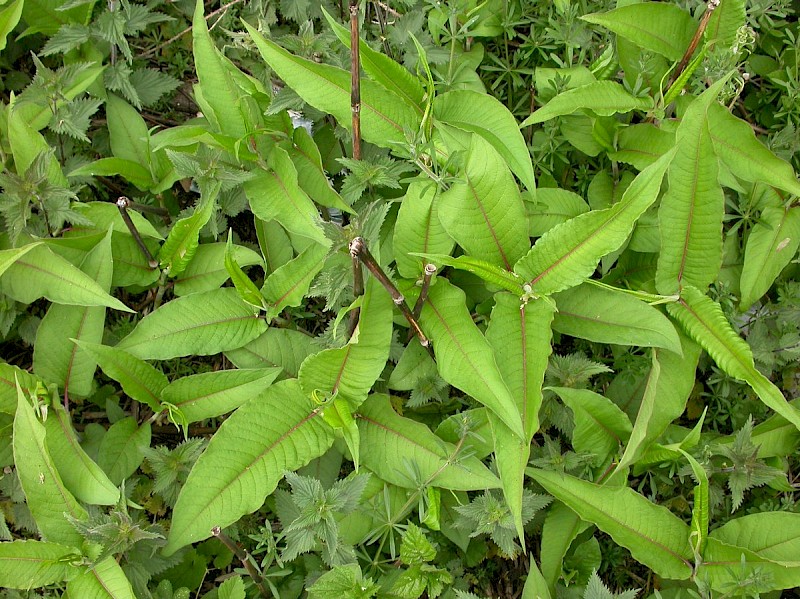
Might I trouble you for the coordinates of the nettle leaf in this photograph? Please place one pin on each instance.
(704, 321)
(289, 284)
(654, 536)
(605, 316)
(33, 564)
(74, 118)
(55, 358)
(384, 119)
(212, 394)
(105, 580)
(660, 27)
(603, 98)
(485, 116)
(138, 379)
(569, 253)
(245, 460)
(202, 324)
(47, 497)
(690, 215)
(418, 229)
(350, 371)
(772, 244)
(485, 213)
(122, 448)
(42, 273)
(463, 355)
(206, 270)
(151, 84)
(406, 453)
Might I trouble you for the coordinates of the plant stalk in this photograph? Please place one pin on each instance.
(710, 8)
(123, 204)
(244, 557)
(430, 270)
(355, 79)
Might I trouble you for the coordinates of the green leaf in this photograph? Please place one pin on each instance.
(406, 453)
(275, 244)
(552, 207)
(418, 229)
(202, 323)
(605, 316)
(463, 355)
(772, 535)
(310, 175)
(384, 120)
(276, 195)
(535, 585)
(207, 271)
(671, 380)
(705, 322)
(105, 580)
(350, 371)
(33, 564)
(603, 98)
(138, 379)
(494, 275)
(700, 509)
(47, 497)
(485, 213)
(511, 458)
(9, 376)
(8, 257)
(660, 27)
(653, 535)
(41, 273)
(724, 23)
(288, 285)
(132, 171)
(485, 116)
(218, 87)
(276, 347)
(642, 144)
(245, 460)
(127, 131)
(55, 358)
(106, 214)
(121, 451)
(9, 17)
(737, 147)
(690, 215)
(346, 582)
(81, 475)
(567, 254)
(772, 244)
(561, 527)
(248, 291)
(44, 16)
(213, 394)
(181, 244)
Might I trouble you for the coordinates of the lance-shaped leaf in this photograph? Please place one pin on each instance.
(9, 17)
(485, 213)
(494, 275)
(8, 257)
(47, 497)
(406, 453)
(463, 355)
(277, 347)
(772, 244)
(181, 244)
(486, 116)
(418, 229)
(654, 536)
(55, 358)
(248, 290)
(669, 384)
(603, 98)
(9, 377)
(128, 134)
(700, 509)
(202, 323)
(42, 273)
(276, 195)
(122, 448)
(310, 175)
(724, 565)
(139, 380)
(772, 535)
(106, 580)
(384, 120)
(245, 460)
(690, 215)
(81, 475)
(704, 321)
(642, 144)
(605, 316)
(34, 564)
(350, 371)
(567, 254)
(561, 527)
(212, 394)
(207, 269)
(663, 28)
(511, 458)
(131, 171)
(288, 285)
(738, 148)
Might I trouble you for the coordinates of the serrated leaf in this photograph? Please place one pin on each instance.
(41, 273)
(105, 580)
(151, 84)
(392, 445)
(202, 323)
(569, 253)
(245, 460)
(288, 285)
(206, 270)
(603, 98)
(654, 536)
(139, 380)
(704, 321)
(122, 448)
(212, 394)
(47, 497)
(463, 355)
(33, 564)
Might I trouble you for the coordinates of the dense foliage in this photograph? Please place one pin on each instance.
(510, 310)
